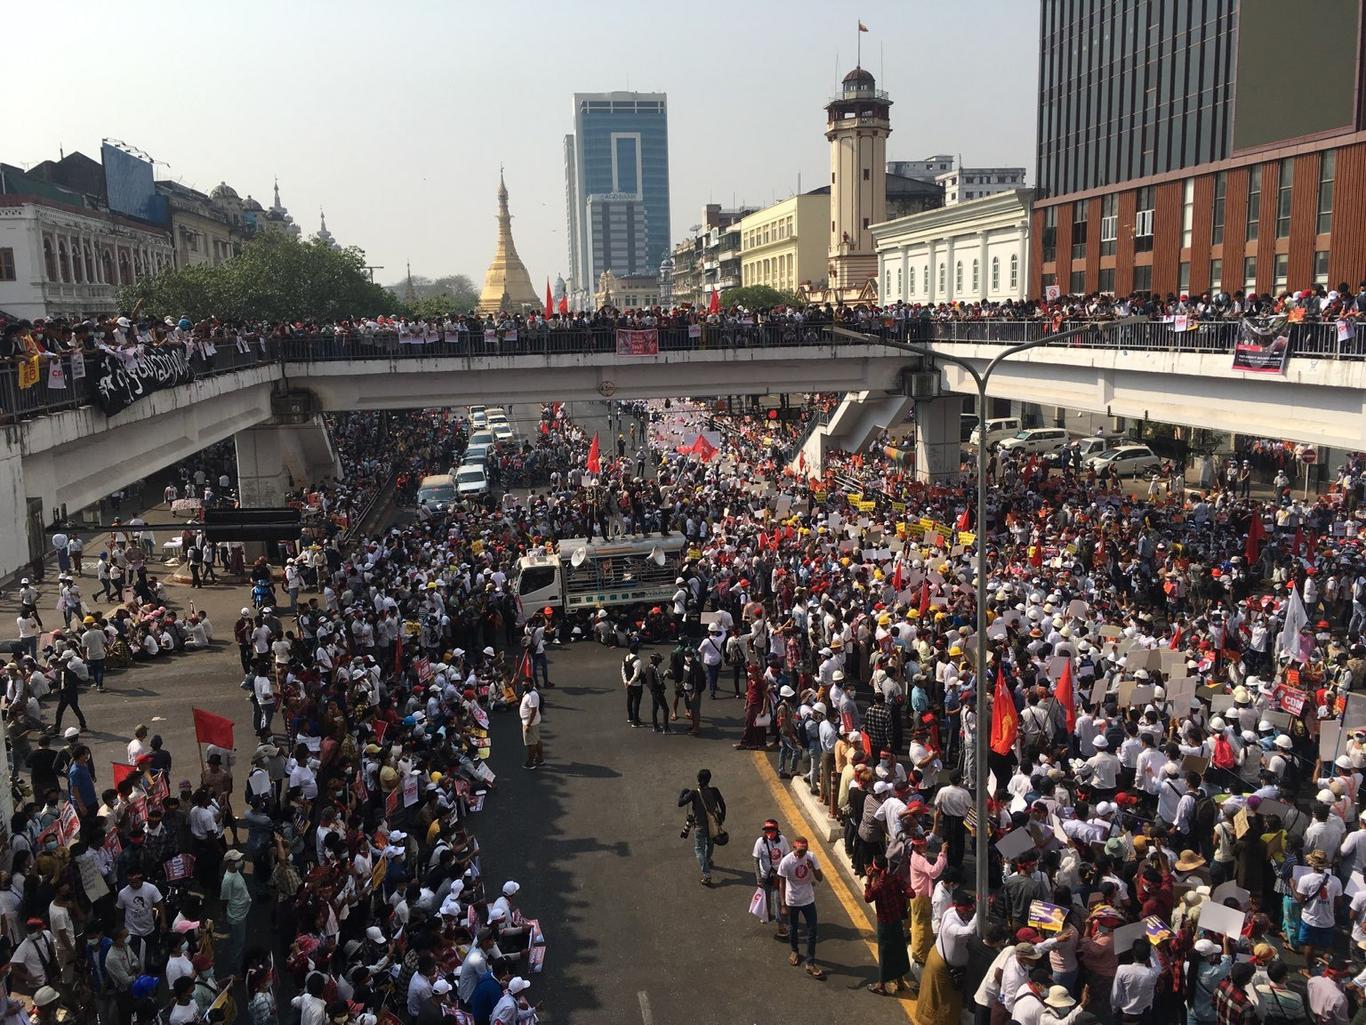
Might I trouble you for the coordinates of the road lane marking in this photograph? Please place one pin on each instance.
(645, 1014)
(853, 906)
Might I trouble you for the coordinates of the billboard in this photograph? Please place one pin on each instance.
(129, 185)
(1292, 82)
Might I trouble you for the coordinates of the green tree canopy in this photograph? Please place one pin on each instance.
(454, 293)
(758, 297)
(275, 277)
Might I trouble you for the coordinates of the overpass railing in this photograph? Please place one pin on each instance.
(1319, 340)
(54, 392)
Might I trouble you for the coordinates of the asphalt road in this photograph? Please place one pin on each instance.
(633, 935)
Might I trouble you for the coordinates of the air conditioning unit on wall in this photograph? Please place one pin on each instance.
(921, 384)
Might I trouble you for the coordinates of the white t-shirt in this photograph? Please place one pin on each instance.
(800, 874)
(1318, 910)
(265, 690)
(771, 851)
(531, 708)
(137, 907)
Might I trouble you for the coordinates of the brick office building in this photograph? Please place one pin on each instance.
(1187, 145)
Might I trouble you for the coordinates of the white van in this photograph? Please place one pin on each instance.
(998, 429)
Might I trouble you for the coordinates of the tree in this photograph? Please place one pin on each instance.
(758, 297)
(454, 293)
(275, 277)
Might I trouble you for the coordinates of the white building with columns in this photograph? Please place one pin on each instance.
(976, 250)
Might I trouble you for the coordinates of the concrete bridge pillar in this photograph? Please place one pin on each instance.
(276, 458)
(938, 430)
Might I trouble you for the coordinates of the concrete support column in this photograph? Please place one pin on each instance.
(938, 430)
(15, 544)
(274, 459)
(983, 285)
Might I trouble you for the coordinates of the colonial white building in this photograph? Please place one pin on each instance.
(973, 250)
(61, 260)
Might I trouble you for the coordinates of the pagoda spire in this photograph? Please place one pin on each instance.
(507, 285)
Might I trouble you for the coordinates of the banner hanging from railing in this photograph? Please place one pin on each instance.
(118, 384)
(1262, 348)
(638, 343)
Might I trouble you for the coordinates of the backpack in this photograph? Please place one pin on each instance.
(1223, 756)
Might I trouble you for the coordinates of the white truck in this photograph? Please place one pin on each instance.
(581, 575)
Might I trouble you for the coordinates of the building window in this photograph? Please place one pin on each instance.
(1216, 235)
(1327, 171)
(910, 280)
(1078, 283)
(995, 273)
(1254, 202)
(1183, 277)
(1014, 270)
(89, 264)
(1143, 278)
(1216, 275)
(1050, 234)
(1109, 224)
(7, 264)
(887, 291)
(925, 277)
(1079, 230)
(1284, 190)
(865, 224)
(1250, 273)
(64, 260)
(1143, 221)
(976, 278)
(1107, 280)
(866, 174)
(1320, 266)
(899, 292)
(1282, 276)
(942, 271)
(958, 277)
(1187, 212)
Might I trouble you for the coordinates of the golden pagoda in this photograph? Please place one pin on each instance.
(507, 285)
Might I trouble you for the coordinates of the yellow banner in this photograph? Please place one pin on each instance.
(899, 507)
(865, 506)
(854, 496)
(28, 372)
(477, 547)
(966, 538)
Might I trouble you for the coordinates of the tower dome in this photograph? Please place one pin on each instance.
(251, 206)
(223, 191)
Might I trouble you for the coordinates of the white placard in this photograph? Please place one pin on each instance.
(1015, 843)
(1077, 609)
(1224, 891)
(1218, 919)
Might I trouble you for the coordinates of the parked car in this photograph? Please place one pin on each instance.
(501, 429)
(436, 490)
(1079, 450)
(480, 442)
(1040, 440)
(1127, 460)
(479, 416)
(998, 429)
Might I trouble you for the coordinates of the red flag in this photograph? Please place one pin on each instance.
(594, 457)
(763, 542)
(1004, 720)
(1063, 692)
(564, 304)
(212, 729)
(964, 520)
(924, 598)
(122, 772)
(774, 539)
(1175, 645)
(1256, 533)
(398, 651)
(896, 577)
(549, 302)
(714, 306)
(524, 670)
(1298, 543)
(380, 727)
(545, 427)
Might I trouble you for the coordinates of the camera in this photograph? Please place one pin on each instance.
(687, 828)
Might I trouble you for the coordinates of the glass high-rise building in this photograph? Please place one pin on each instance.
(617, 186)
(1199, 145)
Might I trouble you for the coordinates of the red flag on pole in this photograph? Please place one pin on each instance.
(122, 772)
(549, 302)
(714, 306)
(924, 598)
(1256, 533)
(1004, 720)
(1175, 645)
(896, 577)
(212, 729)
(524, 671)
(564, 304)
(594, 457)
(1068, 700)
(380, 727)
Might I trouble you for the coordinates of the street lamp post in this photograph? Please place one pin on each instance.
(983, 837)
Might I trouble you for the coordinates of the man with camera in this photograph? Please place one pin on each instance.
(707, 815)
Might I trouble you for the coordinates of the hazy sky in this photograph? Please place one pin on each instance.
(394, 116)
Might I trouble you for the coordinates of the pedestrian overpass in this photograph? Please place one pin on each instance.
(59, 449)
